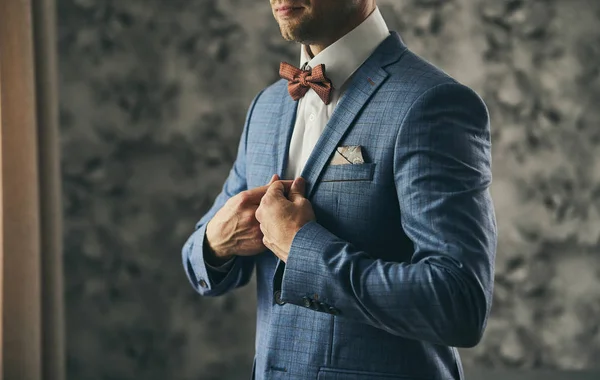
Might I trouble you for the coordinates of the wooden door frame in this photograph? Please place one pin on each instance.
(46, 62)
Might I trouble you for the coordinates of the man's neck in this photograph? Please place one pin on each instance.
(360, 16)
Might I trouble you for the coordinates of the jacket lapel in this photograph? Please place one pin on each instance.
(364, 83)
(288, 118)
(368, 78)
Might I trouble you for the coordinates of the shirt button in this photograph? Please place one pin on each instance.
(311, 117)
(203, 284)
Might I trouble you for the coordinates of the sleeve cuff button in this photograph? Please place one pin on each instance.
(306, 302)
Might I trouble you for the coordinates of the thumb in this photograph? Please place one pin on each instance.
(297, 190)
(276, 188)
(273, 179)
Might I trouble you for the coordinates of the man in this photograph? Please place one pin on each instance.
(374, 255)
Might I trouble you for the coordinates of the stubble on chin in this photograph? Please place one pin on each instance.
(287, 33)
(297, 31)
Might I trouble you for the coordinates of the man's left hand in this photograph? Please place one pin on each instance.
(280, 218)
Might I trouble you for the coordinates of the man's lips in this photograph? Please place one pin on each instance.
(286, 10)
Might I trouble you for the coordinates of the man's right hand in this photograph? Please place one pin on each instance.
(234, 229)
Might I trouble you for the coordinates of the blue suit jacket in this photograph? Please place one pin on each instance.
(397, 270)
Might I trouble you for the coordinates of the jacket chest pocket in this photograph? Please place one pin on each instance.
(350, 187)
(347, 198)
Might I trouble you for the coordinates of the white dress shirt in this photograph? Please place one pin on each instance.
(341, 60)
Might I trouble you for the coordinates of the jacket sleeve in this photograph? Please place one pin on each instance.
(206, 280)
(442, 174)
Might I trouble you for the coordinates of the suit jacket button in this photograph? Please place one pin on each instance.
(323, 306)
(203, 284)
(306, 302)
(277, 297)
(333, 310)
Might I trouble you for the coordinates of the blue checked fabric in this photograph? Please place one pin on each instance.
(397, 270)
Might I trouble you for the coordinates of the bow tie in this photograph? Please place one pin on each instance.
(300, 81)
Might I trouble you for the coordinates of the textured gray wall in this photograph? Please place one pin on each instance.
(153, 96)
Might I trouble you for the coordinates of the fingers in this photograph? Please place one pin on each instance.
(287, 184)
(297, 189)
(263, 229)
(253, 196)
(277, 189)
(258, 214)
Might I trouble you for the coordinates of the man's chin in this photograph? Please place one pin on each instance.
(293, 35)
(289, 35)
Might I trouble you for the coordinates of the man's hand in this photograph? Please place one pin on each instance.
(234, 229)
(280, 218)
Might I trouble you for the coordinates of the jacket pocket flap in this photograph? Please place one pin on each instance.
(344, 374)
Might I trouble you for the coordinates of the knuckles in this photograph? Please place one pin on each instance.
(244, 198)
(266, 199)
(258, 213)
(261, 228)
(247, 213)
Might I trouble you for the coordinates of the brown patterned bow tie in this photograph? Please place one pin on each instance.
(300, 81)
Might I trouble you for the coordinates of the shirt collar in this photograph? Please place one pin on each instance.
(346, 55)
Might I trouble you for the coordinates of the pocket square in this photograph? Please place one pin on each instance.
(345, 155)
